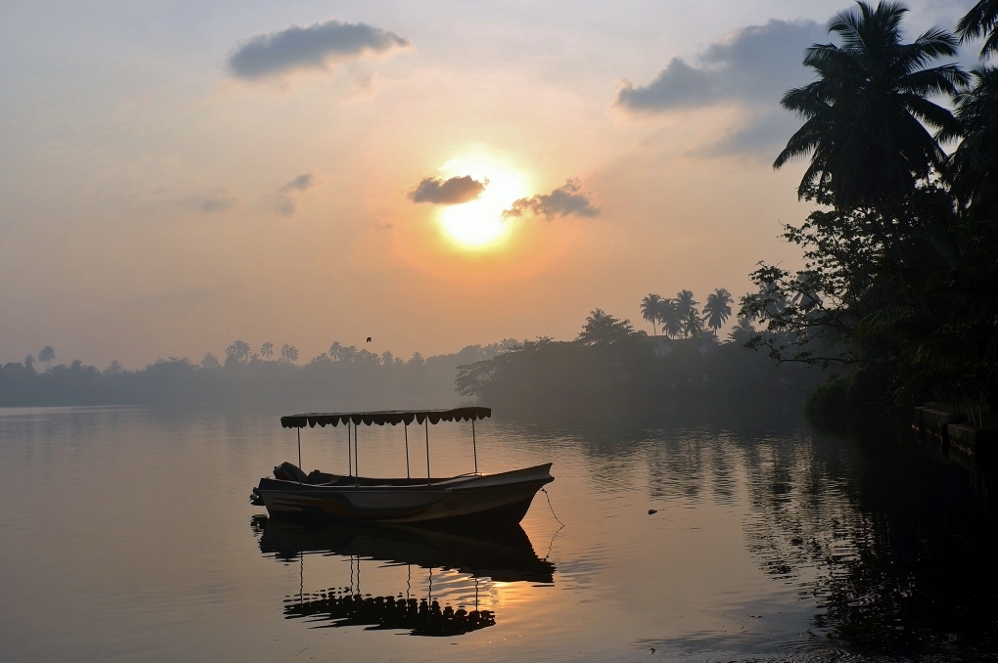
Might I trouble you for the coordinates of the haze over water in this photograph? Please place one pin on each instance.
(127, 535)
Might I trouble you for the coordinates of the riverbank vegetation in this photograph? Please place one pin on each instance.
(897, 292)
(611, 368)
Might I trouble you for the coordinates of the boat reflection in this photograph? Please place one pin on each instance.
(504, 556)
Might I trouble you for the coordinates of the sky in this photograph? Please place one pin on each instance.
(178, 175)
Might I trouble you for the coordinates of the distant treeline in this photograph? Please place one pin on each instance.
(342, 377)
(611, 368)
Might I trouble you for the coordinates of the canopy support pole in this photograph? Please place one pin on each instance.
(474, 446)
(406, 426)
(300, 470)
(426, 427)
(356, 458)
(349, 453)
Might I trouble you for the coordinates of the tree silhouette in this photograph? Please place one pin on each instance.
(238, 351)
(651, 310)
(289, 353)
(322, 358)
(863, 118)
(46, 356)
(336, 351)
(602, 328)
(743, 330)
(267, 350)
(668, 315)
(692, 323)
(981, 21)
(974, 169)
(29, 363)
(684, 304)
(209, 361)
(717, 310)
(771, 300)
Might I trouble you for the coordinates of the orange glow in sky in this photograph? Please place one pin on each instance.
(270, 198)
(479, 224)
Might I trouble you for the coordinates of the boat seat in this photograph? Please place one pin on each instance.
(289, 472)
(317, 478)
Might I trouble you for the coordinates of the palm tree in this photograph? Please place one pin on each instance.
(238, 351)
(717, 310)
(650, 310)
(267, 350)
(46, 356)
(289, 353)
(975, 163)
(668, 316)
(692, 323)
(981, 21)
(336, 351)
(743, 330)
(602, 328)
(684, 304)
(865, 116)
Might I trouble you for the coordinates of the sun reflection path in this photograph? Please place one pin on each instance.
(479, 224)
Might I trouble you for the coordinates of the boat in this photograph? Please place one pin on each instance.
(472, 500)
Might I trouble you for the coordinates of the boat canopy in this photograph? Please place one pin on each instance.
(383, 417)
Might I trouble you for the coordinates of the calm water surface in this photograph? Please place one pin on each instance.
(126, 534)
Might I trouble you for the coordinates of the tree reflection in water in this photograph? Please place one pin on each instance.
(505, 556)
(893, 539)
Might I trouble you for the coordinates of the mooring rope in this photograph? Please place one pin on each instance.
(552, 507)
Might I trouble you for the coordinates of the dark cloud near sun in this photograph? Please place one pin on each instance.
(454, 191)
(314, 47)
(566, 200)
(751, 67)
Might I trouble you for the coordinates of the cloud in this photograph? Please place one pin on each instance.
(217, 203)
(563, 201)
(300, 183)
(758, 136)
(678, 85)
(454, 191)
(285, 205)
(751, 67)
(314, 47)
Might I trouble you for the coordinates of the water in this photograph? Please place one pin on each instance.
(126, 534)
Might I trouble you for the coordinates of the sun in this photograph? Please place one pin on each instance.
(478, 224)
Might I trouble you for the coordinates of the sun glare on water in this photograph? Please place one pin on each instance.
(478, 224)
